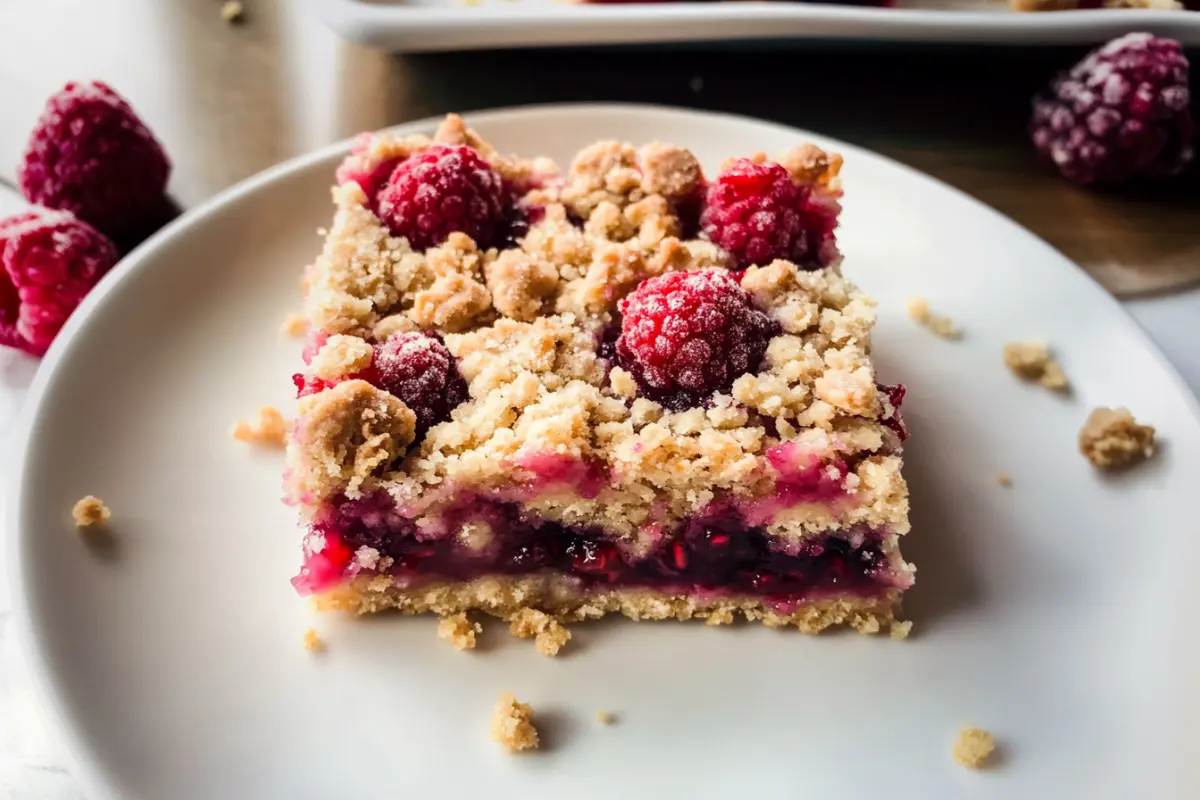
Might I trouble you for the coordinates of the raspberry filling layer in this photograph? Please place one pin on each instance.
(718, 553)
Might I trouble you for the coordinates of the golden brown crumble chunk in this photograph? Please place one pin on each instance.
(1112, 438)
(605, 717)
(1032, 361)
(900, 630)
(512, 725)
(268, 428)
(90, 512)
(972, 747)
(551, 636)
(340, 356)
(294, 325)
(459, 631)
(312, 642)
(939, 326)
(1004, 479)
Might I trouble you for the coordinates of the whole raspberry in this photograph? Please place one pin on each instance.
(758, 214)
(361, 169)
(1121, 112)
(90, 154)
(417, 368)
(441, 190)
(685, 335)
(48, 262)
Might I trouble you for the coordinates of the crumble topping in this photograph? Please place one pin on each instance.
(232, 12)
(550, 635)
(670, 171)
(268, 428)
(1032, 361)
(459, 631)
(1004, 479)
(512, 725)
(973, 747)
(90, 512)
(1112, 438)
(341, 355)
(312, 642)
(942, 327)
(808, 163)
(522, 286)
(294, 325)
(605, 718)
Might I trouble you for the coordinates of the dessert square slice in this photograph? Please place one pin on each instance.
(626, 388)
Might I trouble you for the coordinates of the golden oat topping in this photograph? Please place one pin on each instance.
(1112, 438)
(459, 631)
(973, 747)
(512, 724)
(1032, 361)
(90, 512)
(269, 427)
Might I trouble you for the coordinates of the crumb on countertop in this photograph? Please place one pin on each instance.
(1032, 361)
(90, 512)
(1112, 438)
(551, 636)
(1004, 479)
(942, 327)
(312, 642)
(512, 725)
(233, 12)
(459, 631)
(972, 747)
(294, 325)
(900, 630)
(268, 428)
(605, 718)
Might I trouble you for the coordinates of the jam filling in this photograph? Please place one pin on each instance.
(718, 553)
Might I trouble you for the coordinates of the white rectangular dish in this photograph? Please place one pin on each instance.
(414, 25)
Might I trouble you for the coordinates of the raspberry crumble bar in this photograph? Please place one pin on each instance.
(628, 388)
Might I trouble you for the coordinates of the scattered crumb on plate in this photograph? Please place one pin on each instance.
(512, 725)
(294, 325)
(1112, 438)
(459, 631)
(268, 428)
(312, 642)
(1032, 361)
(605, 718)
(900, 630)
(1004, 479)
(942, 327)
(232, 11)
(90, 512)
(551, 636)
(972, 747)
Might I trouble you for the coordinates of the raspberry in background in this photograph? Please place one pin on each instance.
(417, 368)
(49, 261)
(686, 335)
(758, 213)
(441, 190)
(1123, 111)
(91, 155)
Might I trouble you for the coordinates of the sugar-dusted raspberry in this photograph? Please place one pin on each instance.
(91, 155)
(1121, 112)
(358, 167)
(49, 261)
(416, 367)
(441, 190)
(758, 213)
(685, 335)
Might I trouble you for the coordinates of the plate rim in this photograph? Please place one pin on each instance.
(78, 752)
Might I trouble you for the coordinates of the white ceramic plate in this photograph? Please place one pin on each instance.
(413, 25)
(1053, 613)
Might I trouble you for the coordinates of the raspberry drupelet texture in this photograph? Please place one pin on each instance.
(49, 261)
(758, 213)
(417, 368)
(91, 155)
(441, 190)
(1121, 112)
(686, 335)
(369, 175)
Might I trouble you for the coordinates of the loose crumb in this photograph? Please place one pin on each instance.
(90, 512)
(233, 12)
(312, 642)
(1112, 438)
(1032, 361)
(459, 631)
(551, 636)
(1004, 479)
(269, 428)
(942, 327)
(972, 747)
(605, 718)
(900, 630)
(512, 725)
(294, 325)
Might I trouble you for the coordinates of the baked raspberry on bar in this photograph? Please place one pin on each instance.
(623, 389)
